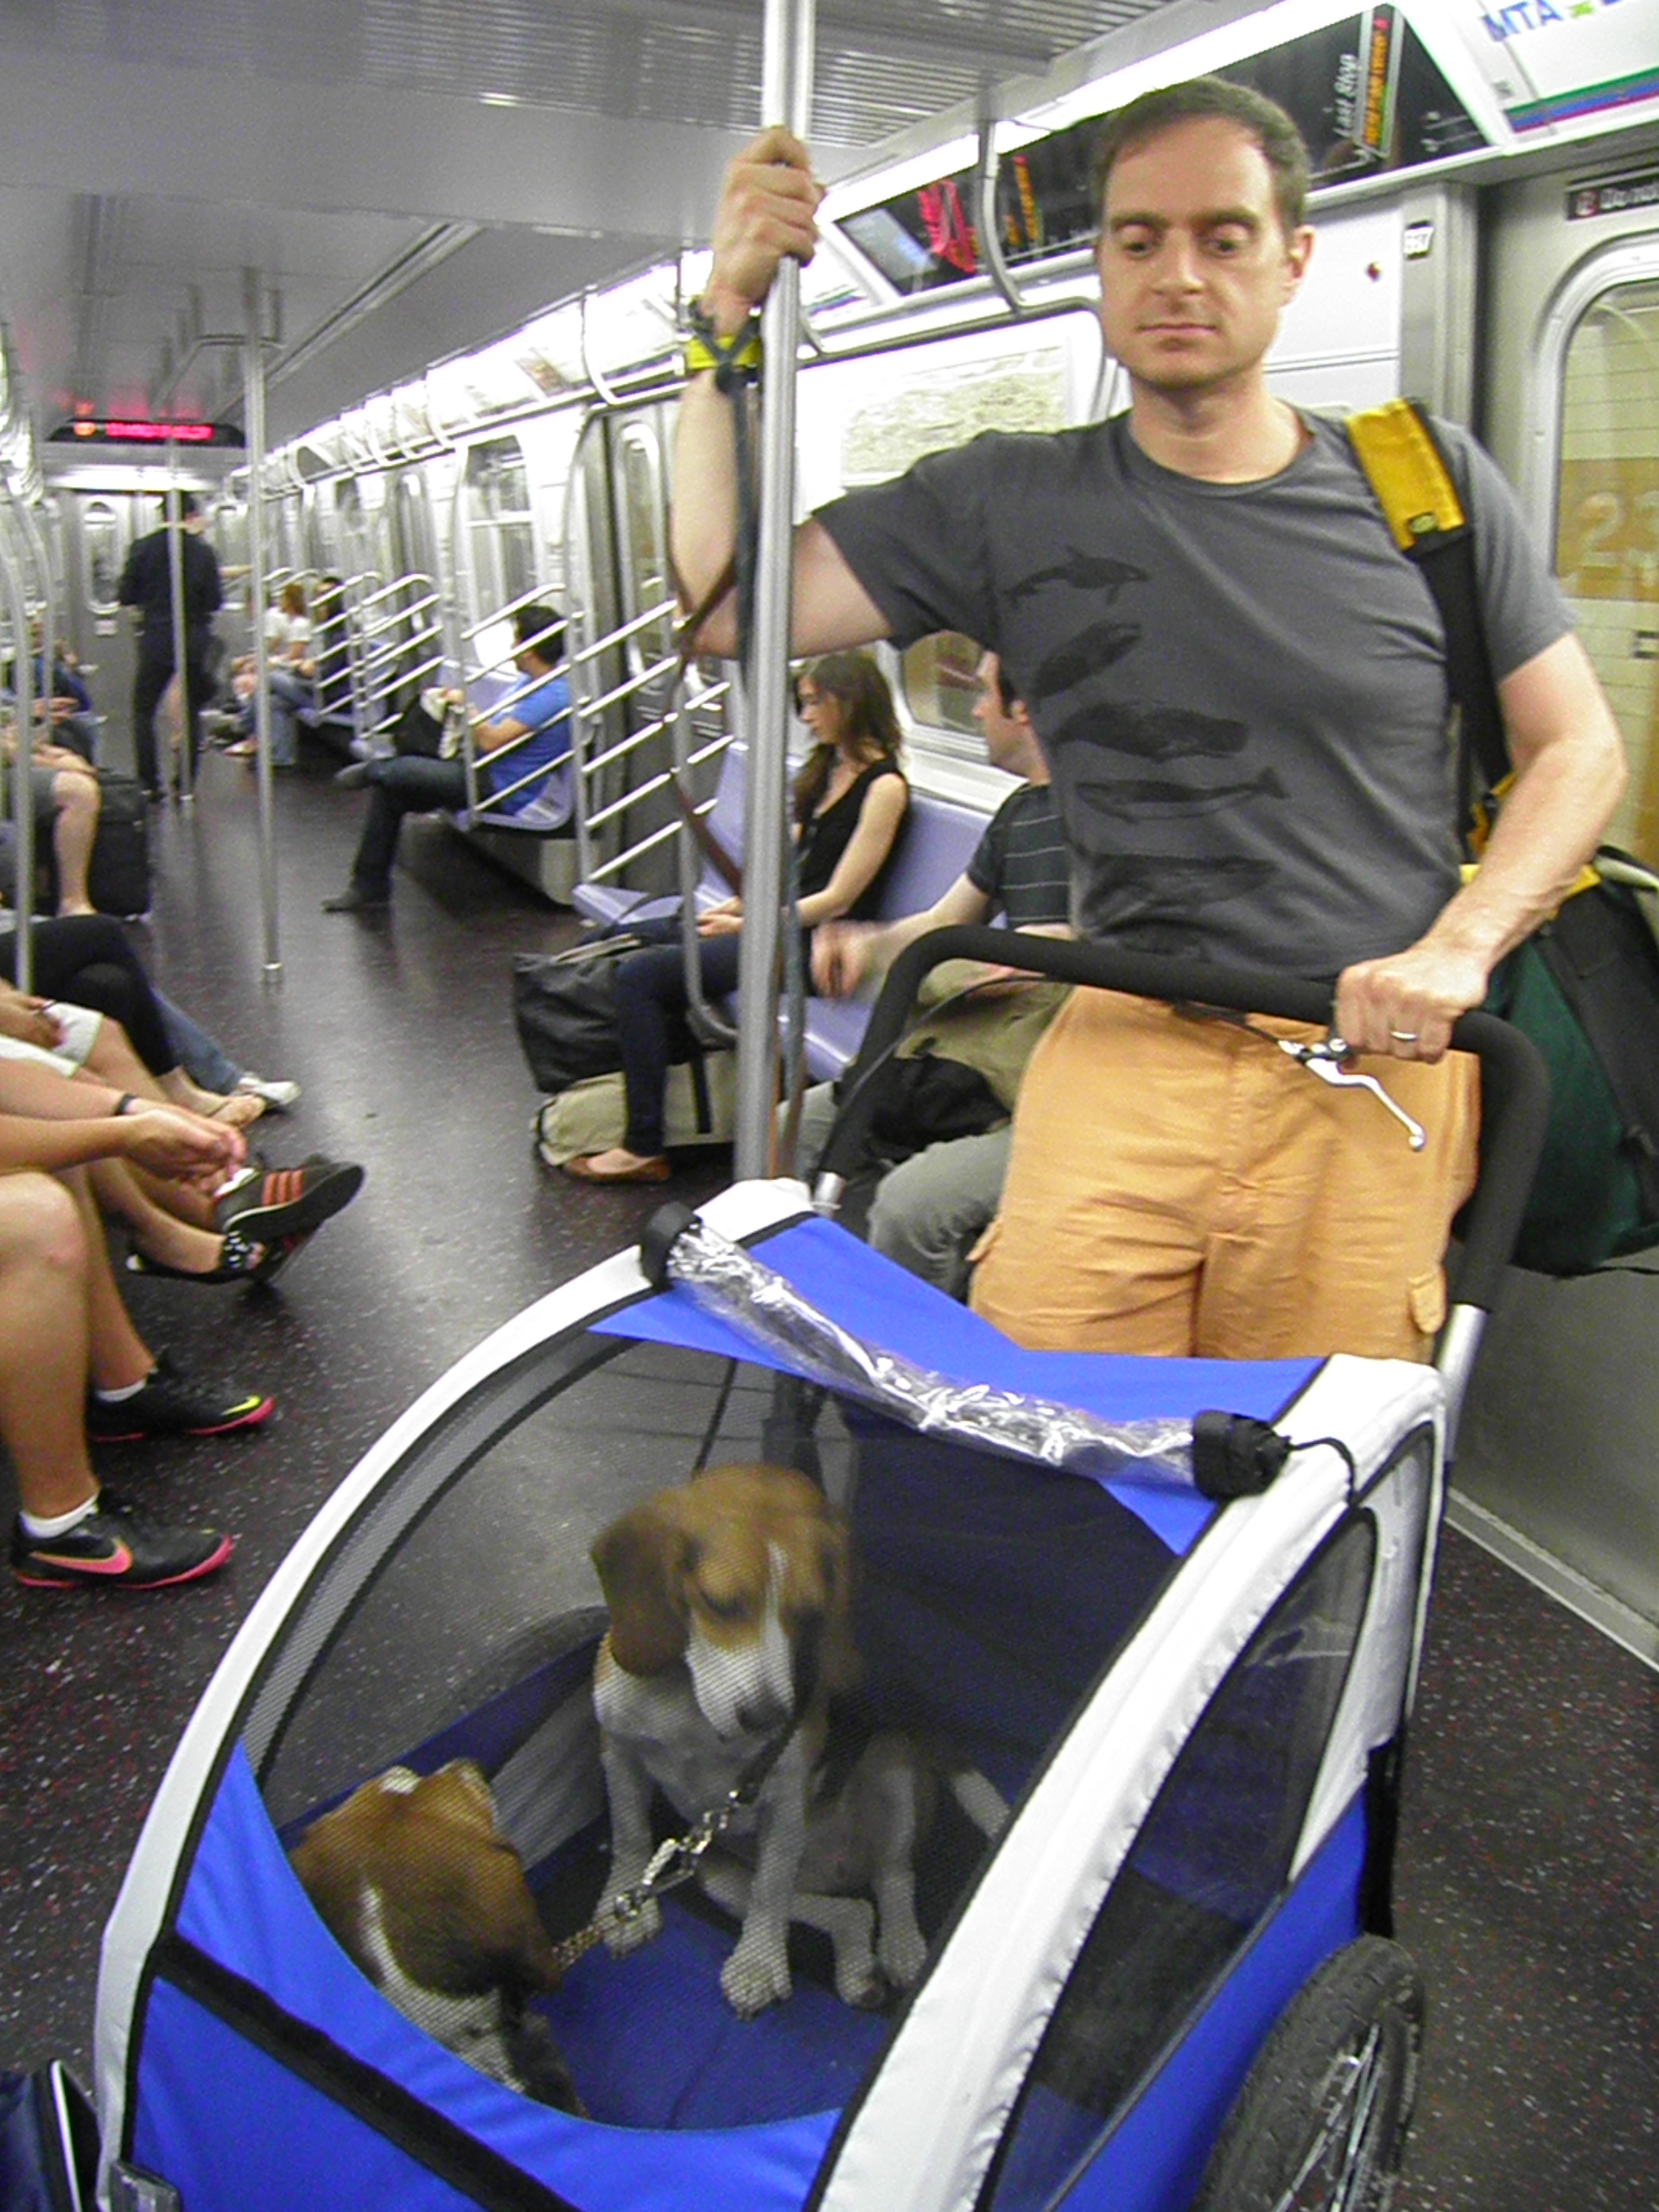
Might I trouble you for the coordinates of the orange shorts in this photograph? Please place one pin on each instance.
(1178, 1185)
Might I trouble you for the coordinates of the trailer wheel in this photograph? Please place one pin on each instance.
(1321, 2123)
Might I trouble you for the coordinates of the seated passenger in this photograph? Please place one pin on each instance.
(73, 1367)
(244, 1232)
(930, 1210)
(850, 802)
(74, 720)
(86, 960)
(521, 748)
(66, 802)
(287, 680)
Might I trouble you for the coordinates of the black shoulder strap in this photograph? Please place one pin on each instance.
(1402, 456)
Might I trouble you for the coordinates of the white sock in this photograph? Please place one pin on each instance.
(127, 1390)
(41, 1527)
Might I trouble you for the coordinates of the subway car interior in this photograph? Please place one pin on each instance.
(397, 295)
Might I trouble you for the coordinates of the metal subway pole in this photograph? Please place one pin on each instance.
(22, 801)
(174, 768)
(35, 539)
(253, 380)
(786, 98)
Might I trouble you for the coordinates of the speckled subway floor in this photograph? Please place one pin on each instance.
(1529, 1878)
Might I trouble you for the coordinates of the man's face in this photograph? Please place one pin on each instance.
(1195, 266)
(1003, 734)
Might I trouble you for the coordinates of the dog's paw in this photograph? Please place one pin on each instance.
(902, 1952)
(756, 1975)
(622, 1937)
(860, 1983)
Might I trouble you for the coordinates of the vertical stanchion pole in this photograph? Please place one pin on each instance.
(787, 80)
(253, 383)
(41, 559)
(22, 797)
(175, 770)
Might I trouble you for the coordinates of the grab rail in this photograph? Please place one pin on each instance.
(592, 757)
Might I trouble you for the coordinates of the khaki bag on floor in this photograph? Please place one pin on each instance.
(700, 1107)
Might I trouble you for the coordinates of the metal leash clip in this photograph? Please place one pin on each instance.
(1327, 1060)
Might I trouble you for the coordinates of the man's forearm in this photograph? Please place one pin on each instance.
(703, 524)
(1549, 826)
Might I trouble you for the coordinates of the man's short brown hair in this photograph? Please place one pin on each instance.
(1197, 101)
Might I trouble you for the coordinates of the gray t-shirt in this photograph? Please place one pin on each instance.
(1240, 688)
(1021, 865)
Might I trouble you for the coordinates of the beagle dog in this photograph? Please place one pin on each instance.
(728, 1636)
(416, 1884)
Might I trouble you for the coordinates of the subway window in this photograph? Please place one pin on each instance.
(1607, 528)
(940, 689)
(104, 543)
(499, 525)
(645, 538)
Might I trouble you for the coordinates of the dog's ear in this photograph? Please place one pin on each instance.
(640, 1560)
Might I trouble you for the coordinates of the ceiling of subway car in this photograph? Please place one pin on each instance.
(380, 182)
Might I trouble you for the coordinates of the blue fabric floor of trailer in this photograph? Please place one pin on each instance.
(1529, 1861)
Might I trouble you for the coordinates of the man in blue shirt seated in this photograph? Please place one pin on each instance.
(523, 747)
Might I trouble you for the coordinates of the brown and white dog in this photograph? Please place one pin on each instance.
(415, 1881)
(728, 1601)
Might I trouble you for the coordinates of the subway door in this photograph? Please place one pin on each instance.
(99, 531)
(1557, 1469)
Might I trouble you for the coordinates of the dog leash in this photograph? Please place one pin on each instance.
(676, 1859)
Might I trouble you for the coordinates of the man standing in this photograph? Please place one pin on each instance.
(929, 1211)
(526, 742)
(1240, 685)
(147, 584)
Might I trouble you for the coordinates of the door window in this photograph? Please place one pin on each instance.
(104, 550)
(1607, 528)
(499, 526)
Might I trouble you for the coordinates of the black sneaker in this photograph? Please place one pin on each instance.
(352, 900)
(281, 1202)
(167, 1404)
(118, 1546)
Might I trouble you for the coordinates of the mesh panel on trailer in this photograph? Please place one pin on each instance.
(988, 1597)
(458, 1617)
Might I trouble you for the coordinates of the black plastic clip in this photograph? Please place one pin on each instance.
(1234, 1455)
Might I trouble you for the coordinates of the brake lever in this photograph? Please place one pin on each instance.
(1327, 1061)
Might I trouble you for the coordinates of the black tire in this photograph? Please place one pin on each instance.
(1321, 2123)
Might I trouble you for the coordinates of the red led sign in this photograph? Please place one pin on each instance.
(110, 429)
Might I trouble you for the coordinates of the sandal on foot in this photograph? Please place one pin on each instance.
(643, 1171)
(240, 1260)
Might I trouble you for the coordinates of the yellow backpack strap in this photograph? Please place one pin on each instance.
(1402, 460)
(1413, 486)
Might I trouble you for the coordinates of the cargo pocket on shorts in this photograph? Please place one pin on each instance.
(1425, 1297)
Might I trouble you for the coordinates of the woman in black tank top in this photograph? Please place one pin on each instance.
(850, 803)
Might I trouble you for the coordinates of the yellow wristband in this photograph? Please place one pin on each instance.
(700, 355)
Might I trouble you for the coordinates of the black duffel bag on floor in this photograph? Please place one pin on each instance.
(564, 1006)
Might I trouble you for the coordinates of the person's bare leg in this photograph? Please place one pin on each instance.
(74, 828)
(44, 1337)
(235, 1108)
(160, 1233)
(116, 1355)
(113, 1061)
(186, 1202)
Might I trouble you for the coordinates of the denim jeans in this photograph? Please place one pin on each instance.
(408, 783)
(203, 1058)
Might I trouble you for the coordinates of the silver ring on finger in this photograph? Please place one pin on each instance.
(1403, 1036)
